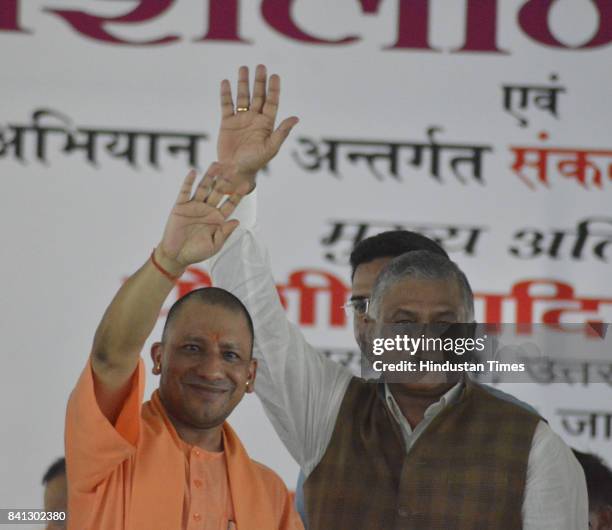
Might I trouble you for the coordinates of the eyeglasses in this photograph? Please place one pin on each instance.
(357, 307)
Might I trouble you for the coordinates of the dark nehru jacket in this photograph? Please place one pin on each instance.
(466, 471)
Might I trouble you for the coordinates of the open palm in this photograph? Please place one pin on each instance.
(247, 138)
(197, 226)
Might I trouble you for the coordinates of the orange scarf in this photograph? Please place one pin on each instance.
(253, 507)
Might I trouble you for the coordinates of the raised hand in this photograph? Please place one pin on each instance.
(197, 226)
(247, 138)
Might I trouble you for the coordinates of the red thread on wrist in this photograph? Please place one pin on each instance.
(171, 277)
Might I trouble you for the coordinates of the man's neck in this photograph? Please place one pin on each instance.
(208, 439)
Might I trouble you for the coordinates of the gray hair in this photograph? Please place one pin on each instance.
(426, 265)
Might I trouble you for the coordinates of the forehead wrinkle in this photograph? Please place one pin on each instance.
(435, 313)
(417, 305)
(382, 294)
(419, 308)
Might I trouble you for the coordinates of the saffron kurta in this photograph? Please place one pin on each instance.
(138, 474)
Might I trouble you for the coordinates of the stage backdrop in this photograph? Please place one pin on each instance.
(484, 124)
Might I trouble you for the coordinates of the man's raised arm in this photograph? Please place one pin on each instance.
(195, 230)
(300, 389)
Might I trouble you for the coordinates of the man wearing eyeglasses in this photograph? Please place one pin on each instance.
(367, 259)
(322, 413)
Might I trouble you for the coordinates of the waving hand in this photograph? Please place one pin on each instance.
(197, 226)
(247, 137)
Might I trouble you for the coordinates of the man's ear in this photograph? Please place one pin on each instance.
(156, 356)
(251, 377)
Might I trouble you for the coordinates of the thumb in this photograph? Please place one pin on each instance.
(280, 134)
(222, 232)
